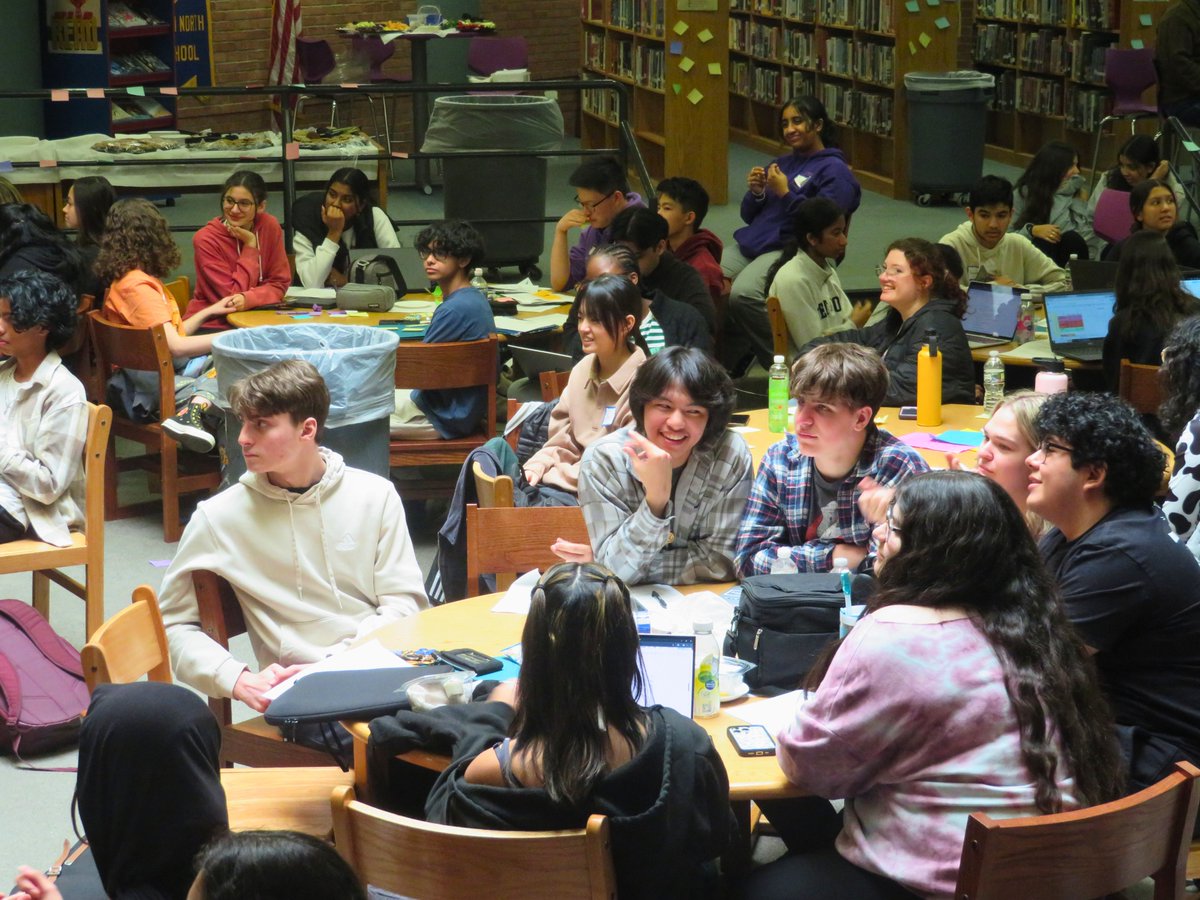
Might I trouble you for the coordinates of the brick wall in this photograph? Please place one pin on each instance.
(241, 46)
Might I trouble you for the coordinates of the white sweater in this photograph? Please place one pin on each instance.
(313, 264)
(1013, 257)
(812, 299)
(312, 571)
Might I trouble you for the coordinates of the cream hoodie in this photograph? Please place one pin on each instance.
(812, 299)
(1013, 257)
(312, 571)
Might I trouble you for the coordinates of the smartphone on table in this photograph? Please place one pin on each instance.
(751, 740)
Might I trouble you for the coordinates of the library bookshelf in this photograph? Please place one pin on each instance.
(1048, 60)
(853, 55)
(680, 98)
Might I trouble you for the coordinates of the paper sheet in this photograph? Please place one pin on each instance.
(370, 655)
(316, 295)
(516, 598)
(1038, 349)
(774, 713)
(682, 609)
(513, 325)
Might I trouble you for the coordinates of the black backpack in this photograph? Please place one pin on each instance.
(378, 269)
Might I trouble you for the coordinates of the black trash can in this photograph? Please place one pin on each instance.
(947, 128)
(358, 365)
(498, 122)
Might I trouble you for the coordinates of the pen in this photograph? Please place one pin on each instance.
(661, 601)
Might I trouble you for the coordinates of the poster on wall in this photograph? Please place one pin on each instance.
(73, 26)
(193, 43)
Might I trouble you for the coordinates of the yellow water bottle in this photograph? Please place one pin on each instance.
(929, 382)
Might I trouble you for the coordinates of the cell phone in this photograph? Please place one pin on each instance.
(466, 658)
(751, 740)
(740, 419)
(908, 412)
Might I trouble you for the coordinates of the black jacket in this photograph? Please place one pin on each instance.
(1182, 239)
(682, 325)
(899, 342)
(681, 282)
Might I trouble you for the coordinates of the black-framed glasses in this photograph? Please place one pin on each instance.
(589, 206)
(1048, 446)
(244, 205)
(436, 253)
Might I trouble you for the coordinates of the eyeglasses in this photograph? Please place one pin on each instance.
(889, 522)
(1048, 446)
(589, 206)
(893, 272)
(439, 255)
(243, 205)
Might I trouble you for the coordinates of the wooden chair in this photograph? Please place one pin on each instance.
(441, 862)
(293, 799)
(1088, 853)
(46, 561)
(172, 473)
(553, 384)
(455, 364)
(251, 742)
(507, 542)
(180, 290)
(129, 645)
(779, 331)
(1140, 386)
(492, 491)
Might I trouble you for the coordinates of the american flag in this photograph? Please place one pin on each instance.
(283, 67)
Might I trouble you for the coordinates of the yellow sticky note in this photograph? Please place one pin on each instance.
(714, 68)
(355, 314)
(705, 36)
(695, 96)
(925, 39)
(681, 27)
(686, 63)
(912, 48)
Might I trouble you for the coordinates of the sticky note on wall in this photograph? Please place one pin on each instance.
(681, 27)
(714, 68)
(686, 63)
(924, 39)
(695, 96)
(942, 22)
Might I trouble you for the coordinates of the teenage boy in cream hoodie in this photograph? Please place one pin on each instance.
(317, 553)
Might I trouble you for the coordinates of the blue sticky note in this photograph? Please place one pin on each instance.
(676, 48)
(942, 22)
(1137, 44)
(1145, 19)
(933, 2)
(6, 165)
(912, 6)
(961, 436)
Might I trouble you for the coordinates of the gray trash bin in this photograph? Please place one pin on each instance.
(947, 127)
(498, 122)
(358, 365)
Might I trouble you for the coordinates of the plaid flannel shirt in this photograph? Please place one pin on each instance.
(777, 514)
(694, 540)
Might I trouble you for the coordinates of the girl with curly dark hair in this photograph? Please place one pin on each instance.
(1180, 414)
(963, 688)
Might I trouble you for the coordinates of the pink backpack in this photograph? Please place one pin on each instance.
(42, 691)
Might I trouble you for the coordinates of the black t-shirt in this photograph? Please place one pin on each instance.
(1134, 596)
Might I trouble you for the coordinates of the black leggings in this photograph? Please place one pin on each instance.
(1069, 243)
(10, 529)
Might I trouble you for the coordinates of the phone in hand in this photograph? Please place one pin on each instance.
(751, 740)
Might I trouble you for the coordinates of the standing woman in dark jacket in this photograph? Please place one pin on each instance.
(923, 294)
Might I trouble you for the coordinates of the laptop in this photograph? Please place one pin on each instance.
(1078, 323)
(411, 266)
(668, 671)
(1092, 274)
(1191, 286)
(992, 313)
(534, 362)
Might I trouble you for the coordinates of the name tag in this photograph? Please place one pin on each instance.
(610, 416)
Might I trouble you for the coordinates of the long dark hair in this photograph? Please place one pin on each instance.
(274, 865)
(1141, 149)
(1147, 287)
(608, 300)
(580, 674)
(24, 225)
(813, 110)
(1180, 376)
(1039, 183)
(812, 217)
(924, 258)
(1140, 194)
(93, 197)
(363, 223)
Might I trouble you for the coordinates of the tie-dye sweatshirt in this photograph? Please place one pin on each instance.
(913, 727)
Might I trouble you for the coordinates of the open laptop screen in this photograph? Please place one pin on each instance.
(668, 667)
(992, 309)
(1191, 285)
(1078, 317)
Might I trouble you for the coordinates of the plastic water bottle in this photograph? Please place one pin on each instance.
(478, 281)
(841, 568)
(993, 382)
(782, 564)
(777, 396)
(708, 672)
(1025, 332)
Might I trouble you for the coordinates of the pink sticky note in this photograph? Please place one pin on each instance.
(399, 154)
(349, 87)
(95, 93)
(48, 163)
(291, 150)
(160, 563)
(60, 96)
(169, 91)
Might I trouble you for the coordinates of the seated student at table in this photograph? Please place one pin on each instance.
(683, 202)
(449, 251)
(602, 191)
(990, 252)
(1131, 592)
(645, 233)
(663, 498)
(44, 411)
(1155, 208)
(914, 721)
(331, 224)
(1180, 413)
(652, 771)
(136, 253)
(804, 501)
(336, 561)
(920, 293)
(29, 240)
(1149, 303)
(88, 201)
(240, 255)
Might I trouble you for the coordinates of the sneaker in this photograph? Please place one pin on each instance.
(188, 429)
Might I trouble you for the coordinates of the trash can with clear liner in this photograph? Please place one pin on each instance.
(947, 128)
(358, 364)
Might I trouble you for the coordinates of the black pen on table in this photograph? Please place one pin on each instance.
(658, 597)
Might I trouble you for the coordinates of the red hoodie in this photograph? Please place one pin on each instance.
(702, 251)
(224, 266)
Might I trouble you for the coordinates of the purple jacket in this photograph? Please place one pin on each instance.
(769, 219)
(589, 240)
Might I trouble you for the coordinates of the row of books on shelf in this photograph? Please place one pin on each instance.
(757, 38)
(1043, 96)
(1086, 107)
(869, 15)
(1088, 52)
(639, 63)
(600, 103)
(594, 45)
(762, 83)
(801, 10)
(861, 110)
(144, 63)
(1044, 50)
(646, 16)
(1043, 12)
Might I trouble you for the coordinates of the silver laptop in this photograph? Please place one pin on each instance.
(411, 266)
(1191, 285)
(1078, 323)
(668, 671)
(534, 361)
(992, 313)
(1092, 274)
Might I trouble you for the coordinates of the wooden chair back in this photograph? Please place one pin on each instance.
(779, 331)
(130, 644)
(180, 289)
(291, 799)
(125, 347)
(425, 861)
(1087, 853)
(1140, 386)
(553, 384)
(507, 542)
(492, 490)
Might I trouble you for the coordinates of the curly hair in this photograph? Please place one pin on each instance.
(459, 239)
(1041, 180)
(924, 258)
(1147, 286)
(697, 374)
(136, 236)
(39, 299)
(1180, 376)
(1104, 430)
